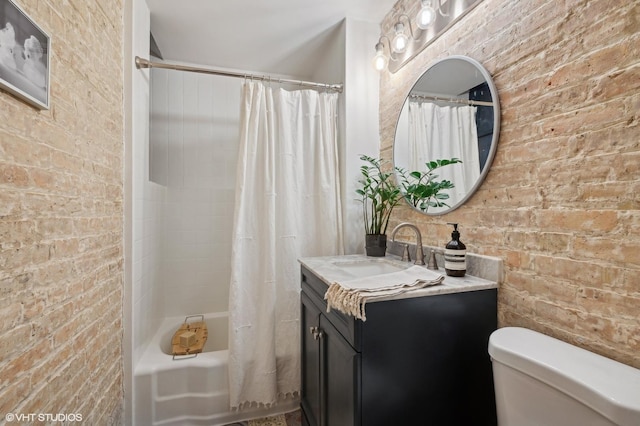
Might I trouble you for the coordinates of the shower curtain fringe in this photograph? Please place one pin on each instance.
(145, 63)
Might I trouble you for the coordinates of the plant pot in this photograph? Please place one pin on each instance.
(375, 244)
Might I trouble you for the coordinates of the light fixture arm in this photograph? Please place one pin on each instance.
(440, 9)
(399, 21)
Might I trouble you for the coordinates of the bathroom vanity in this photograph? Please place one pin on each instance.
(419, 358)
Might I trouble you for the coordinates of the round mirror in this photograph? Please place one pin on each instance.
(447, 135)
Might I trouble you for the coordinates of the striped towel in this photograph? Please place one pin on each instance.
(350, 297)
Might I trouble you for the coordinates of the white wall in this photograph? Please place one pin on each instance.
(331, 66)
(148, 198)
(361, 122)
(196, 117)
(143, 200)
(127, 305)
(350, 61)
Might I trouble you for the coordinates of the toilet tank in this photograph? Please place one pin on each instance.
(540, 380)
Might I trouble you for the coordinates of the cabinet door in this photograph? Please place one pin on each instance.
(310, 351)
(340, 369)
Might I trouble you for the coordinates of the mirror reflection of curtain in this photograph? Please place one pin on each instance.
(287, 206)
(444, 132)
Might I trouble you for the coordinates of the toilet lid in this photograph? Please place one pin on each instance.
(607, 386)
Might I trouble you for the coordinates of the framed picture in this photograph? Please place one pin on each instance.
(24, 56)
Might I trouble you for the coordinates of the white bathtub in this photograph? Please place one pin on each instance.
(189, 391)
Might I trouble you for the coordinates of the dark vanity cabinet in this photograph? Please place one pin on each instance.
(414, 361)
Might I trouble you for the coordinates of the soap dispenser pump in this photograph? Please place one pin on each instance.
(455, 261)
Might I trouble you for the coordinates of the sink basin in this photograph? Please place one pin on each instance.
(366, 268)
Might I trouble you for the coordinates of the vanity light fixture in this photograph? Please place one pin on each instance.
(430, 21)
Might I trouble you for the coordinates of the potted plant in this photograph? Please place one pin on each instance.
(379, 195)
(421, 190)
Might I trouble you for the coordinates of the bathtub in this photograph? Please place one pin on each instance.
(189, 391)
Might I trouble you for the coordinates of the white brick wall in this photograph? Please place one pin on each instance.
(61, 222)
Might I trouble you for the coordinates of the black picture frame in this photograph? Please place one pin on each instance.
(24, 56)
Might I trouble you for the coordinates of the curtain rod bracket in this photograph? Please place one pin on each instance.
(142, 63)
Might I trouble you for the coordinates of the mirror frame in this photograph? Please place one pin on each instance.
(494, 140)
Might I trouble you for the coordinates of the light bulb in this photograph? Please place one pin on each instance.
(426, 16)
(380, 61)
(400, 41)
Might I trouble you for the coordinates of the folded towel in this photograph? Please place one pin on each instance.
(350, 297)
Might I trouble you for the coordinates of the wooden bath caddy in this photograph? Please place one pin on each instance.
(190, 338)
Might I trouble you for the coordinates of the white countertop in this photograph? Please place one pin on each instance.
(329, 270)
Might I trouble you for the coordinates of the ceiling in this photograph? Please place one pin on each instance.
(282, 37)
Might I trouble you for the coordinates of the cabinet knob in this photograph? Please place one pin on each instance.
(316, 332)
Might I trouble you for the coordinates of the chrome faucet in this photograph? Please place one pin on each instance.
(419, 252)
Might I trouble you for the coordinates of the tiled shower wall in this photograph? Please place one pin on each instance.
(560, 204)
(194, 137)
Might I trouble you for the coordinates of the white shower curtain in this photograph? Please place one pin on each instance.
(445, 132)
(287, 206)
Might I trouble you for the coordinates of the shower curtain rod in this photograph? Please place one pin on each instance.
(145, 63)
(449, 99)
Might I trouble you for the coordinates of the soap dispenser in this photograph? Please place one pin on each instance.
(455, 260)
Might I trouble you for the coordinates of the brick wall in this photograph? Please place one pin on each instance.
(560, 204)
(61, 221)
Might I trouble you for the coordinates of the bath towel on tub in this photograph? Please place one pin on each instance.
(350, 296)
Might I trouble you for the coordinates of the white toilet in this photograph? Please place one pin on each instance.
(542, 381)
